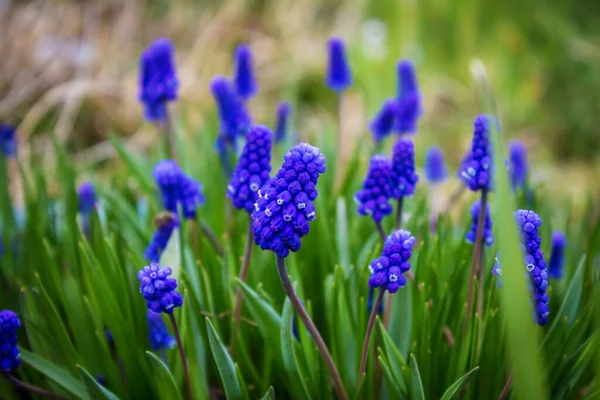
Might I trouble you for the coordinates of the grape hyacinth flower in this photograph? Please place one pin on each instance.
(86, 198)
(373, 198)
(158, 82)
(518, 163)
(528, 223)
(8, 140)
(158, 289)
(190, 196)
(408, 98)
(167, 175)
(404, 176)
(282, 126)
(9, 352)
(285, 206)
(166, 223)
(233, 116)
(488, 237)
(435, 167)
(158, 333)
(383, 123)
(339, 76)
(245, 83)
(387, 271)
(557, 255)
(476, 170)
(252, 170)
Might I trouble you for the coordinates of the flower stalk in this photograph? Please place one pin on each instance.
(186, 371)
(365, 349)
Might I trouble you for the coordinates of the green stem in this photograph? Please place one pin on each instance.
(186, 371)
(30, 388)
(212, 238)
(365, 349)
(381, 232)
(399, 213)
(237, 310)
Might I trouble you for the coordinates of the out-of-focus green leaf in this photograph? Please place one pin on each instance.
(165, 383)
(94, 389)
(416, 385)
(461, 383)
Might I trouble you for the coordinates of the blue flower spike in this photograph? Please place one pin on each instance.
(339, 75)
(245, 82)
(283, 124)
(158, 289)
(409, 102)
(404, 176)
(159, 335)
(435, 167)
(518, 163)
(488, 237)
(167, 175)
(387, 271)
(233, 116)
(476, 170)
(557, 255)
(373, 198)
(383, 124)
(86, 194)
(8, 140)
(9, 352)
(165, 222)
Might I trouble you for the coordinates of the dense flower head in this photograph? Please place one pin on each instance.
(476, 170)
(488, 237)
(283, 123)
(253, 169)
(9, 352)
(435, 167)
(373, 198)
(518, 163)
(176, 188)
(383, 123)
(158, 289)
(404, 177)
(233, 116)
(8, 140)
(339, 76)
(158, 333)
(528, 223)
(86, 198)
(245, 83)
(387, 271)
(158, 81)
(190, 196)
(165, 222)
(409, 107)
(285, 205)
(557, 255)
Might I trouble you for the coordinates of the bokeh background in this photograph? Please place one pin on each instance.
(71, 67)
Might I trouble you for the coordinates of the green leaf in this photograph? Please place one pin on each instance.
(171, 256)
(94, 389)
(392, 382)
(416, 385)
(270, 395)
(341, 228)
(164, 380)
(461, 383)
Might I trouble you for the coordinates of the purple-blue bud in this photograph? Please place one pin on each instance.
(387, 271)
(477, 167)
(158, 81)
(283, 125)
(404, 177)
(383, 123)
(339, 76)
(86, 198)
(8, 140)
(435, 167)
(165, 222)
(373, 198)
(158, 333)
(158, 289)
(518, 163)
(409, 103)
(488, 237)
(233, 116)
(557, 255)
(9, 352)
(245, 83)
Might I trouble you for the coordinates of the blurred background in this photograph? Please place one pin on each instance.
(71, 67)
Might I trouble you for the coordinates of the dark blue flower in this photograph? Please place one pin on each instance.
(87, 198)
(158, 289)
(245, 83)
(383, 123)
(518, 163)
(528, 223)
(285, 205)
(165, 222)
(409, 107)
(233, 116)
(404, 177)
(387, 271)
(158, 333)
(557, 255)
(8, 140)
(339, 76)
(9, 352)
(167, 175)
(435, 167)
(158, 81)
(282, 126)
(190, 196)
(488, 237)
(252, 170)
(477, 167)
(373, 198)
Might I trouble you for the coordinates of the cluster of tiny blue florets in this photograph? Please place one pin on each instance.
(404, 177)
(9, 352)
(387, 271)
(8, 140)
(234, 119)
(409, 107)
(245, 82)
(435, 167)
(383, 123)
(176, 187)
(557, 255)
(86, 198)
(158, 333)
(488, 237)
(373, 198)
(158, 289)
(285, 206)
(252, 170)
(476, 169)
(165, 224)
(339, 75)
(283, 124)
(518, 163)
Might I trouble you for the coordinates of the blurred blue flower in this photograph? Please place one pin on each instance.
(8, 140)
(158, 289)
(557, 255)
(435, 167)
(86, 198)
(245, 83)
(488, 237)
(165, 222)
(9, 352)
(409, 103)
(518, 163)
(373, 198)
(404, 176)
(233, 116)
(190, 196)
(383, 123)
(158, 333)
(339, 76)
(477, 167)
(387, 271)
(177, 188)
(283, 124)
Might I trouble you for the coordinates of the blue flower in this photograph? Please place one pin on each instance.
(158, 289)
(435, 167)
(252, 170)
(518, 163)
(477, 167)
(404, 176)
(409, 107)
(387, 271)
(87, 198)
(339, 76)
(557, 255)
(285, 205)
(528, 223)
(233, 116)
(383, 123)
(8, 140)
(9, 352)
(488, 237)
(245, 83)
(190, 196)
(373, 198)
(165, 222)
(282, 126)
(178, 188)
(158, 333)
(158, 81)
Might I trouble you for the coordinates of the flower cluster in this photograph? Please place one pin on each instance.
(158, 81)
(165, 222)
(9, 352)
(8, 140)
(177, 188)
(409, 107)
(529, 222)
(518, 163)
(233, 116)
(339, 76)
(285, 206)
(282, 125)
(435, 167)
(158, 289)
(557, 255)
(383, 123)
(373, 198)
(252, 170)
(387, 270)
(488, 237)
(86, 198)
(158, 333)
(404, 176)
(476, 169)
(245, 83)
